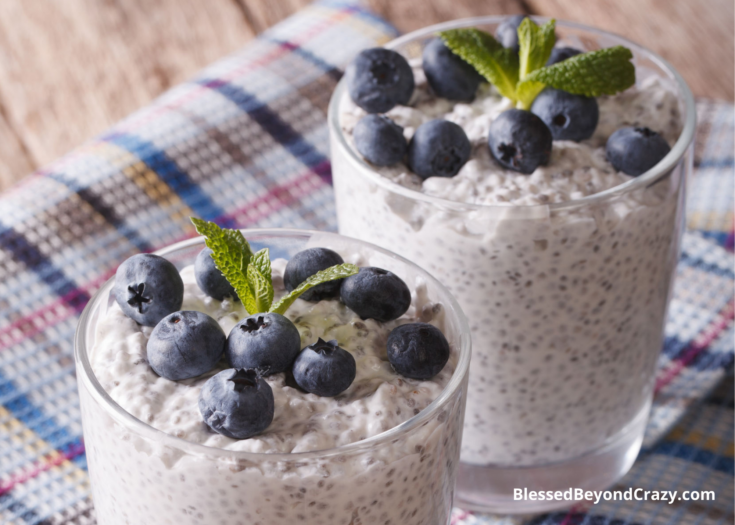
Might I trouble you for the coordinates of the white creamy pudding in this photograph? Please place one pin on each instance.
(378, 399)
(408, 479)
(576, 169)
(566, 304)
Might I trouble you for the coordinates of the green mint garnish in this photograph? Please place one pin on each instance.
(604, 72)
(535, 44)
(261, 282)
(231, 253)
(494, 62)
(523, 76)
(339, 271)
(250, 274)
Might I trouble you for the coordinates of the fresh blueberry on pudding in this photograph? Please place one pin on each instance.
(417, 350)
(325, 369)
(378, 79)
(268, 342)
(148, 288)
(439, 148)
(520, 141)
(380, 140)
(568, 116)
(237, 403)
(635, 150)
(374, 293)
(184, 345)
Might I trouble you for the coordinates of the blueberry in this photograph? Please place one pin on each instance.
(560, 54)
(268, 342)
(148, 288)
(448, 75)
(210, 279)
(417, 350)
(636, 150)
(237, 403)
(568, 116)
(185, 344)
(324, 369)
(305, 264)
(380, 140)
(507, 32)
(520, 141)
(439, 148)
(374, 293)
(378, 79)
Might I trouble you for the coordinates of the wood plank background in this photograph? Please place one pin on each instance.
(71, 68)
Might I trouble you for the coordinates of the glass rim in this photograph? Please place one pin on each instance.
(123, 417)
(648, 178)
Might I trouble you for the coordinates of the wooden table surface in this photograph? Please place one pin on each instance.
(71, 68)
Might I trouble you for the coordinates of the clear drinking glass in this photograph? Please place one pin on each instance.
(566, 301)
(404, 475)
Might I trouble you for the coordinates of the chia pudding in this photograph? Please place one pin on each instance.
(308, 466)
(566, 298)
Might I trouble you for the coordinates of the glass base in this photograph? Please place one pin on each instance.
(490, 488)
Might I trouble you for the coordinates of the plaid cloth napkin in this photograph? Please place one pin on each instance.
(245, 144)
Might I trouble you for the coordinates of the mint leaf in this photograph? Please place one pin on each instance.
(528, 90)
(604, 72)
(262, 262)
(521, 77)
(262, 290)
(232, 254)
(250, 274)
(536, 44)
(339, 271)
(480, 49)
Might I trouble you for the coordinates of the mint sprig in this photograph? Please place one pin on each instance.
(250, 274)
(231, 253)
(535, 45)
(496, 63)
(339, 271)
(261, 282)
(261, 287)
(521, 77)
(604, 72)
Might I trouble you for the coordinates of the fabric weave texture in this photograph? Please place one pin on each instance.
(245, 144)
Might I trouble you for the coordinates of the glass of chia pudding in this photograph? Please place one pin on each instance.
(185, 422)
(556, 226)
